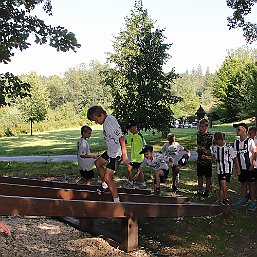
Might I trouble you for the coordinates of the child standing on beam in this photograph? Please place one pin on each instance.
(107, 163)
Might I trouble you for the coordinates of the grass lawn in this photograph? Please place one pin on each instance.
(221, 235)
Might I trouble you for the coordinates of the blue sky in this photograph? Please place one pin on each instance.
(197, 30)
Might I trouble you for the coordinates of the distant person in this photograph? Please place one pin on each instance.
(245, 163)
(173, 149)
(86, 160)
(136, 141)
(5, 228)
(224, 155)
(203, 164)
(116, 148)
(159, 164)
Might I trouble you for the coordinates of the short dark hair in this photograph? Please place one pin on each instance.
(204, 121)
(219, 136)
(95, 110)
(85, 128)
(254, 129)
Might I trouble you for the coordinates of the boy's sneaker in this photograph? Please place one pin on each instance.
(252, 206)
(241, 203)
(142, 186)
(225, 202)
(157, 192)
(174, 189)
(128, 185)
(206, 194)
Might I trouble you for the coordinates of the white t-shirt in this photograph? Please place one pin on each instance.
(244, 152)
(173, 150)
(112, 133)
(82, 149)
(224, 156)
(159, 162)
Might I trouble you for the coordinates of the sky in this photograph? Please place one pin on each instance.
(197, 30)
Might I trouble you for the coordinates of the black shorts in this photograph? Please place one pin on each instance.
(247, 176)
(135, 165)
(225, 176)
(204, 169)
(163, 178)
(87, 174)
(112, 162)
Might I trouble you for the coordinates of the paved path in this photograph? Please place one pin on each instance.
(56, 158)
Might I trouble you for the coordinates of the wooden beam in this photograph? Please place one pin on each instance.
(56, 184)
(13, 205)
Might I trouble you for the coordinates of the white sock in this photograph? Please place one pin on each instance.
(116, 200)
(104, 185)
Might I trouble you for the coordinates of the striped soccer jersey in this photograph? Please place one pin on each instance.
(224, 156)
(244, 150)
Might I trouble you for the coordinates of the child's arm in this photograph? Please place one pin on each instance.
(124, 155)
(94, 156)
(4, 228)
(237, 167)
(188, 151)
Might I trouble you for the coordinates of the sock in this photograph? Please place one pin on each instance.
(157, 189)
(104, 185)
(116, 200)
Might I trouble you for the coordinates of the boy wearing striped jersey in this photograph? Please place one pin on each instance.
(224, 155)
(137, 142)
(245, 162)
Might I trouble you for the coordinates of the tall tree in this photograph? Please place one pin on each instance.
(16, 26)
(241, 9)
(140, 88)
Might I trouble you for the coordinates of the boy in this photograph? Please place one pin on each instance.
(172, 149)
(116, 147)
(86, 160)
(137, 142)
(224, 154)
(159, 164)
(245, 162)
(203, 164)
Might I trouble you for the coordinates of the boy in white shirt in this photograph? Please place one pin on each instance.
(172, 149)
(116, 147)
(86, 160)
(159, 164)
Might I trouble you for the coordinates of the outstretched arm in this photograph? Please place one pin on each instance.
(4, 228)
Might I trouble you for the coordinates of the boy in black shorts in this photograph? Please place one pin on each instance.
(116, 147)
(204, 164)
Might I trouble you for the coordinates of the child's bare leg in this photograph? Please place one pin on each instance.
(200, 183)
(174, 175)
(223, 190)
(243, 189)
(130, 174)
(101, 170)
(142, 177)
(208, 183)
(108, 178)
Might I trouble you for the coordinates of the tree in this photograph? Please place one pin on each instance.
(241, 9)
(16, 26)
(34, 107)
(140, 88)
(235, 85)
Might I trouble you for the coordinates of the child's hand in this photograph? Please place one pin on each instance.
(4, 228)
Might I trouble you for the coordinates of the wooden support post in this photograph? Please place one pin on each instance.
(129, 233)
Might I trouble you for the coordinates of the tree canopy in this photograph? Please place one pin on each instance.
(241, 9)
(17, 25)
(141, 89)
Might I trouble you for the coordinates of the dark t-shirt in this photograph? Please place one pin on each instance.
(204, 142)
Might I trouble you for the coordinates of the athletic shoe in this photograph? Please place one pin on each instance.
(224, 202)
(142, 186)
(252, 206)
(206, 194)
(241, 203)
(174, 189)
(128, 185)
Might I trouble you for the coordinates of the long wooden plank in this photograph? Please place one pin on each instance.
(12, 205)
(57, 184)
(71, 194)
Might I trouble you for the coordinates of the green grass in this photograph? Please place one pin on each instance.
(64, 141)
